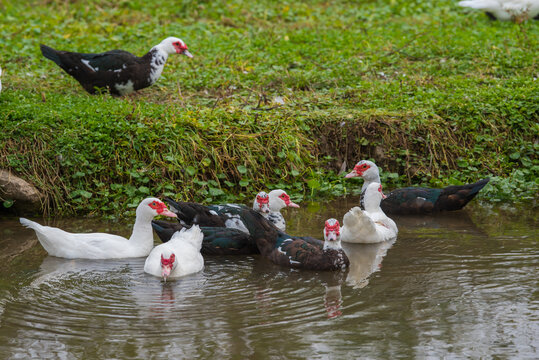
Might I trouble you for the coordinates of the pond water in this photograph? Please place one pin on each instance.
(455, 285)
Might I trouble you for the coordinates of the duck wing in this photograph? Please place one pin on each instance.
(217, 240)
(192, 213)
(306, 253)
(457, 196)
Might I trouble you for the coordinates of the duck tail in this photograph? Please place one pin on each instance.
(29, 224)
(457, 196)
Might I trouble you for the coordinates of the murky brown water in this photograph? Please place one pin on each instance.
(456, 285)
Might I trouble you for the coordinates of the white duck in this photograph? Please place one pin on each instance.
(177, 257)
(270, 205)
(370, 225)
(506, 10)
(63, 244)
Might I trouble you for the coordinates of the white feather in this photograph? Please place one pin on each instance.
(185, 245)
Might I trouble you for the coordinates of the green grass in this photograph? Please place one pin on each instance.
(436, 94)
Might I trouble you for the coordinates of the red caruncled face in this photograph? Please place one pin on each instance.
(361, 168)
(168, 262)
(285, 198)
(179, 47)
(158, 206)
(335, 227)
(381, 192)
(261, 200)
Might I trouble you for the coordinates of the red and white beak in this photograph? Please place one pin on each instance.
(187, 53)
(165, 272)
(292, 204)
(167, 212)
(352, 174)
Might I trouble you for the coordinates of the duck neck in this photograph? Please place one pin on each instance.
(369, 180)
(371, 204)
(142, 231)
(332, 245)
(157, 57)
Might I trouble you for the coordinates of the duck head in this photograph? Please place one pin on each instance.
(151, 207)
(332, 234)
(261, 203)
(279, 199)
(366, 169)
(173, 45)
(168, 263)
(373, 196)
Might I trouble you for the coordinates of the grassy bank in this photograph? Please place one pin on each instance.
(278, 95)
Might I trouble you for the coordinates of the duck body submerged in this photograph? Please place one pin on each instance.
(216, 241)
(370, 225)
(64, 244)
(304, 252)
(228, 229)
(417, 200)
(178, 257)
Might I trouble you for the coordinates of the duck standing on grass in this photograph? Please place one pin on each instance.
(116, 71)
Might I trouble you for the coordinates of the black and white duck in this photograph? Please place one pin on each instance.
(116, 71)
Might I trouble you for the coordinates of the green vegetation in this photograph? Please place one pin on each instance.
(279, 94)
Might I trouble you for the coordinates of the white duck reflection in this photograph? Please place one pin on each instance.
(124, 281)
(364, 260)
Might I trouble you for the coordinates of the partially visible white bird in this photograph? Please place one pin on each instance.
(370, 225)
(177, 257)
(64, 244)
(506, 10)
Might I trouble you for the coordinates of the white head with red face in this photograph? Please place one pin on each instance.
(279, 199)
(168, 263)
(173, 45)
(261, 203)
(367, 170)
(151, 207)
(332, 234)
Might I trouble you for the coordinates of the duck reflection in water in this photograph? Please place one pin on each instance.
(276, 282)
(364, 260)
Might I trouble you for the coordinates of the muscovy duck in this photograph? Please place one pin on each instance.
(232, 216)
(270, 205)
(506, 10)
(370, 225)
(303, 252)
(117, 71)
(178, 257)
(99, 245)
(217, 240)
(417, 200)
